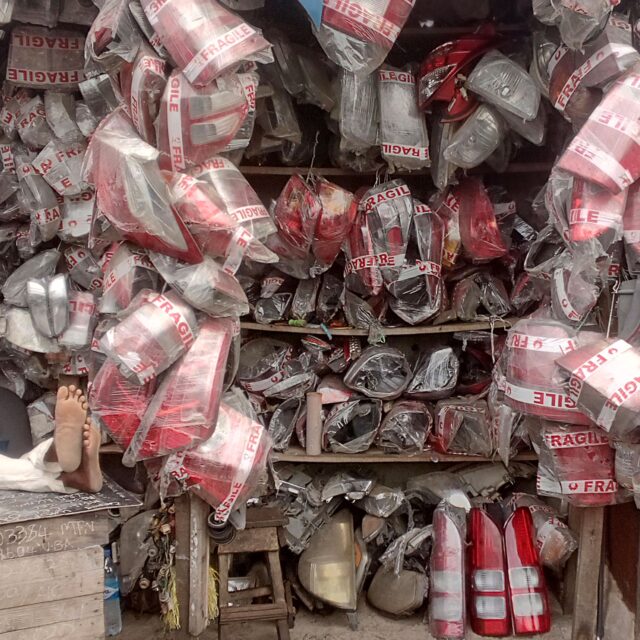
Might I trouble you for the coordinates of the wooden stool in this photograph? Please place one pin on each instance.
(260, 536)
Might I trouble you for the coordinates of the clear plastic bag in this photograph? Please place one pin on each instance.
(447, 206)
(575, 289)
(224, 470)
(261, 362)
(579, 20)
(152, 337)
(603, 151)
(503, 83)
(359, 111)
(627, 463)
(240, 200)
(417, 294)
(42, 265)
(117, 403)
(60, 109)
(249, 82)
(83, 318)
(479, 230)
(389, 208)
(380, 372)
(128, 272)
(304, 299)
(403, 131)
(351, 427)
(576, 464)
(206, 285)
(77, 213)
(601, 381)
(535, 384)
(435, 374)
(272, 309)
(45, 59)
(204, 39)
(283, 422)
(142, 84)
(195, 123)
(442, 171)
(329, 297)
(406, 427)
(334, 223)
(60, 164)
(477, 138)
(462, 425)
(359, 36)
(184, 409)
(31, 124)
(131, 191)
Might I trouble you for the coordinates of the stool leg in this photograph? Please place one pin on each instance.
(283, 630)
(275, 572)
(224, 566)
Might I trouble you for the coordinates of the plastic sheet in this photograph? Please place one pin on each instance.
(576, 464)
(358, 111)
(60, 109)
(380, 372)
(31, 124)
(14, 289)
(462, 426)
(204, 39)
(82, 321)
(435, 374)
(351, 427)
(196, 123)
(131, 191)
(304, 299)
(358, 36)
(261, 362)
(149, 340)
(184, 409)
(406, 427)
(283, 422)
(60, 164)
(404, 140)
(224, 470)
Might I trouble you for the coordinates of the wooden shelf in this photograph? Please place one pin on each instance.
(514, 167)
(112, 447)
(451, 327)
(298, 454)
(456, 32)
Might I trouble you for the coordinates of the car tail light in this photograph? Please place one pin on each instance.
(447, 600)
(489, 606)
(528, 591)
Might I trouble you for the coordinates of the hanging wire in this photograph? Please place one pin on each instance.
(313, 156)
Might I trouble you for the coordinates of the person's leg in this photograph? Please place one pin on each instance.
(32, 472)
(87, 477)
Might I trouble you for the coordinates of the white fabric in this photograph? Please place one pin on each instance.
(32, 472)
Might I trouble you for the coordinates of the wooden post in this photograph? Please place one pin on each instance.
(192, 563)
(585, 608)
(569, 587)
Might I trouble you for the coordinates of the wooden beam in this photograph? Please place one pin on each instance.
(585, 608)
(192, 564)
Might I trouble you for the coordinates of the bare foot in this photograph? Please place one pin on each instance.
(70, 416)
(87, 477)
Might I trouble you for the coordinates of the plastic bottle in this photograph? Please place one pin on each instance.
(112, 616)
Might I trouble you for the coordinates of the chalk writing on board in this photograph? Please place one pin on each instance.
(20, 506)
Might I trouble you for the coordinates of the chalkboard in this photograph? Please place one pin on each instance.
(19, 506)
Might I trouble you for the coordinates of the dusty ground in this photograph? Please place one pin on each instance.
(372, 626)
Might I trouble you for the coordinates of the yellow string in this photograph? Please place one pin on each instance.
(212, 596)
(171, 615)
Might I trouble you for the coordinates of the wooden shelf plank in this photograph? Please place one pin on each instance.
(112, 447)
(455, 32)
(451, 327)
(298, 454)
(514, 167)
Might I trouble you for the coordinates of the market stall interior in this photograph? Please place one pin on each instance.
(349, 286)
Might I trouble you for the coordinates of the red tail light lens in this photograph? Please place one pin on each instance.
(527, 586)
(489, 607)
(447, 604)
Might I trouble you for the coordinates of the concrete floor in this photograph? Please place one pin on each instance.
(372, 626)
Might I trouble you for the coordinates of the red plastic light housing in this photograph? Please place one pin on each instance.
(447, 597)
(527, 587)
(489, 600)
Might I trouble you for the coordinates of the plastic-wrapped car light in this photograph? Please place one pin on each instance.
(505, 84)
(352, 426)
(203, 38)
(261, 363)
(602, 382)
(153, 337)
(131, 191)
(606, 150)
(196, 123)
(224, 470)
(389, 207)
(403, 131)
(462, 425)
(82, 321)
(45, 59)
(435, 374)
(283, 422)
(60, 164)
(184, 409)
(358, 35)
(380, 372)
(48, 302)
(358, 111)
(41, 265)
(477, 138)
(534, 382)
(447, 610)
(406, 427)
